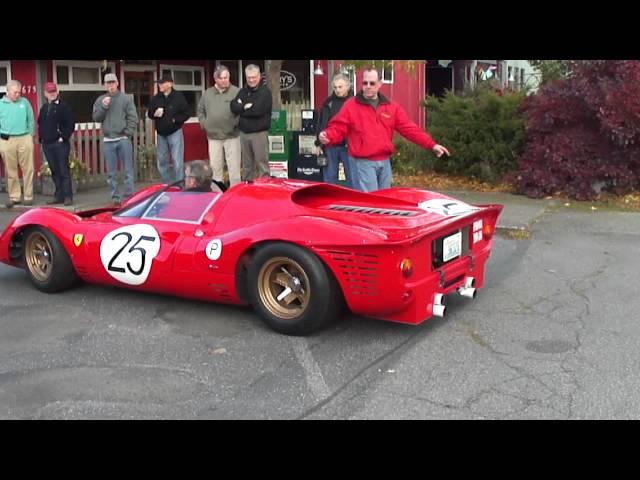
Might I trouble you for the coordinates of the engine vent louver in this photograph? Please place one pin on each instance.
(375, 211)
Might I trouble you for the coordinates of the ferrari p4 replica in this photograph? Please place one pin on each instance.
(299, 252)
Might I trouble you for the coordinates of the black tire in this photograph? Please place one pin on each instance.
(314, 299)
(47, 262)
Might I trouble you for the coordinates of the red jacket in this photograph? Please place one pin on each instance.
(369, 132)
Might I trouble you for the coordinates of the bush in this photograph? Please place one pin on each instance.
(410, 159)
(583, 133)
(483, 130)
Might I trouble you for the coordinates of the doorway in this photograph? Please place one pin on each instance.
(141, 86)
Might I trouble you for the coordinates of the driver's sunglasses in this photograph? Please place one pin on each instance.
(365, 83)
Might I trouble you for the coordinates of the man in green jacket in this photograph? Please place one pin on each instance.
(16, 142)
(221, 124)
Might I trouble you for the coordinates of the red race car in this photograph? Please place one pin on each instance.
(297, 251)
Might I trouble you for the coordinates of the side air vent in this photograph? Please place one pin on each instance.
(359, 271)
(375, 211)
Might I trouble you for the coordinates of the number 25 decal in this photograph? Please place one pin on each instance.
(127, 253)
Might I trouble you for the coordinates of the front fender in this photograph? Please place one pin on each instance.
(61, 223)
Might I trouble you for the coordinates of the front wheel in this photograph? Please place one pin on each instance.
(292, 290)
(46, 261)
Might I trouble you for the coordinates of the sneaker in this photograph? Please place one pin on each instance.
(67, 202)
(28, 203)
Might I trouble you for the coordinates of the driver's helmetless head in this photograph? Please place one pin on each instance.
(197, 173)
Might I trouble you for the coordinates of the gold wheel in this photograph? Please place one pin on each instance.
(283, 287)
(39, 257)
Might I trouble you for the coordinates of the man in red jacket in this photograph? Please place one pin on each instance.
(368, 121)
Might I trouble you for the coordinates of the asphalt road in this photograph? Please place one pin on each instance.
(554, 334)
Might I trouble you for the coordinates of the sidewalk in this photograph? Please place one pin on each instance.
(518, 214)
(82, 200)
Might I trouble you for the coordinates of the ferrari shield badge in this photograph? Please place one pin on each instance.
(77, 239)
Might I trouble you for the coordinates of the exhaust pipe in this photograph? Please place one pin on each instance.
(439, 299)
(438, 310)
(469, 282)
(468, 292)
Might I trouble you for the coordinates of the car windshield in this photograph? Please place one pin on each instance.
(174, 206)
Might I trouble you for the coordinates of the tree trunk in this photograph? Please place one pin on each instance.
(273, 68)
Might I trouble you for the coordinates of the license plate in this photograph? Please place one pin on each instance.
(451, 246)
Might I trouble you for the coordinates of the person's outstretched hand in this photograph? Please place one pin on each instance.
(439, 150)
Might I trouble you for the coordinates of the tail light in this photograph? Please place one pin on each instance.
(488, 230)
(406, 267)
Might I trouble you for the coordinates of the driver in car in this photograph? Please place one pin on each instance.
(198, 177)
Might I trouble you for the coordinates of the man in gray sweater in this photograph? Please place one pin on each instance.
(221, 125)
(119, 119)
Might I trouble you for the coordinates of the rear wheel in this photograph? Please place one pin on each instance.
(46, 261)
(292, 290)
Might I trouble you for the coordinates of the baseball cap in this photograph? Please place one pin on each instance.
(50, 87)
(165, 78)
(110, 77)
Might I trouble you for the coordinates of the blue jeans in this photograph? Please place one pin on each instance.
(175, 143)
(57, 154)
(120, 149)
(335, 155)
(372, 174)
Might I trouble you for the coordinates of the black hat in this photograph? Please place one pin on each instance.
(165, 78)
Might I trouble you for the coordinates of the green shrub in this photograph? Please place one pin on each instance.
(483, 129)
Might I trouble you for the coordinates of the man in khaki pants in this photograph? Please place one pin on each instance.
(221, 125)
(16, 143)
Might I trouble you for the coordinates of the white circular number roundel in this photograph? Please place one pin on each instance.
(214, 249)
(128, 252)
(446, 207)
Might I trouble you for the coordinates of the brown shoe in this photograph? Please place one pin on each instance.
(68, 202)
(11, 203)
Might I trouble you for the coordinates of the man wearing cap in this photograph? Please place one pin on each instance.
(117, 113)
(169, 110)
(16, 142)
(55, 126)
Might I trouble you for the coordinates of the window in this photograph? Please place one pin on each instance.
(295, 81)
(350, 71)
(188, 80)
(80, 75)
(80, 84)
(86, 75)
(5, 76)
(387, 72)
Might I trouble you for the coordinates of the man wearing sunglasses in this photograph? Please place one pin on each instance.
(367, 121)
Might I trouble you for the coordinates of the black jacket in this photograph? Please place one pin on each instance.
(176, 111)
(55, 121)
(258, 117)
(330, 107)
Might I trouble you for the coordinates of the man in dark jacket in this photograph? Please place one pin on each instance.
(169, 110)
(253, 103)
(55, 126)
(338, 153)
